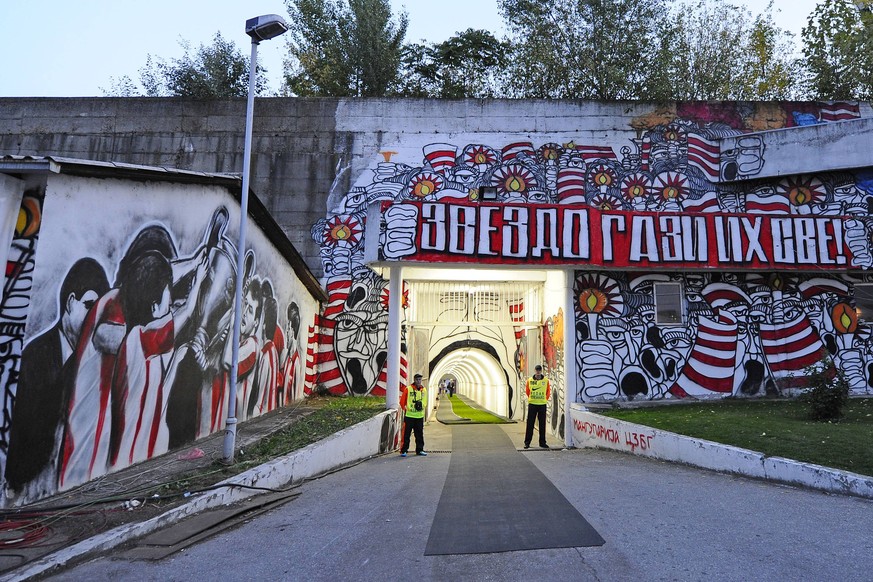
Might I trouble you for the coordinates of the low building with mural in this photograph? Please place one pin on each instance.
(117, 311)
(638, 251)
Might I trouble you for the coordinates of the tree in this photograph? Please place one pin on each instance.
(770, 72)
(838, 50)
(645, 49)
(712, 49)
(343, 48)
(589, 49)
(214, 71)
(419, 74)
(469, 64)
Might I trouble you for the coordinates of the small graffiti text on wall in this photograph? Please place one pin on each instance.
(631, 440)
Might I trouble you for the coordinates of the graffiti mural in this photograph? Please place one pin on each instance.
(567, 200)
(137, 356)
(742, 335)
(553, 365)
(14, 306)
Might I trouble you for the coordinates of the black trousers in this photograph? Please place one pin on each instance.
(415, 425)
(535, 412)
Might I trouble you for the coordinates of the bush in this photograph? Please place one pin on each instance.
(827, 392)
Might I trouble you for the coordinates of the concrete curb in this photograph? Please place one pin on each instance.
(591, 430)
(356, 443)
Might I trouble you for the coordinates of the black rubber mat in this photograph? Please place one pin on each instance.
(496, 500)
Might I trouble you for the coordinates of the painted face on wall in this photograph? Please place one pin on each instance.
(249, 321)
(818, 310)
(77, 310)
(851, 200)
(290, 333)
(361, 338)
(624, 337)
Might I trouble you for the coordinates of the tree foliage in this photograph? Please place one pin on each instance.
(583, 49)
(343, 48)
(771, 71)
(712, 49)
(589, 49)
(468, 64)
(211, 72)
(838, 50)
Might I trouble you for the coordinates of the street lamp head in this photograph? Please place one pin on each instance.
(265, 27)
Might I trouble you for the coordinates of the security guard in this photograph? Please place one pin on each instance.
(538, 393)
(413, 401)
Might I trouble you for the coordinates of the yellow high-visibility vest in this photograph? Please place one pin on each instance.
(537, 390)
(412, 396)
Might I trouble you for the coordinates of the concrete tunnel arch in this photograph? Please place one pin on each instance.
(478, 372)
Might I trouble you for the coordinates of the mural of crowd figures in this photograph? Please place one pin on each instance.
(744, 335)
(14, 307)
(674, 165)
(138, 363)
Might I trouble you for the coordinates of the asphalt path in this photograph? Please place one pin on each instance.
(661, 521)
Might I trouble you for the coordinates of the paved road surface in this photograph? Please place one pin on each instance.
(660, 522)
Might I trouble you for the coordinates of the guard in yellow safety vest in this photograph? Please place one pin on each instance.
(538, 393)
(413, 401)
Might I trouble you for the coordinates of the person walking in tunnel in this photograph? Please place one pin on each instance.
(538, 393)
(413, 401)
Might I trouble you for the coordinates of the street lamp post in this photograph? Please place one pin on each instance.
(259, 28)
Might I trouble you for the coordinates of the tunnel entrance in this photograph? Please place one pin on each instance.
(481, 328)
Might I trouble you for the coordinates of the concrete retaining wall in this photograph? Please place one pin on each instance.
(592, 430)
(307, 153)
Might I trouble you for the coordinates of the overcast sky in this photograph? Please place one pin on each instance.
(71, 48)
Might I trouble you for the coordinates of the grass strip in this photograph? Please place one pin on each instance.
(776, 428)
(463, 410)
(333, 415)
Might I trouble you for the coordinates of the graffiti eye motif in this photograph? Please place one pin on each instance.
(7, 348)
(792, 311)
(348, 322)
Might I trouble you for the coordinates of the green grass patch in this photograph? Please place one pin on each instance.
(776, 428)
(333, 415)
(460, 408)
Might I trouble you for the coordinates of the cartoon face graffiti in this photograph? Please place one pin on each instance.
(361, 337)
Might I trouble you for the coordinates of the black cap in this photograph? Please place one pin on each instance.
(417, 376)
(538, 367)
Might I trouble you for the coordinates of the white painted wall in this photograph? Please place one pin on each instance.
(590, 430)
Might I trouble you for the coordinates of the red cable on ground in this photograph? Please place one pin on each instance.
(31, 532)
